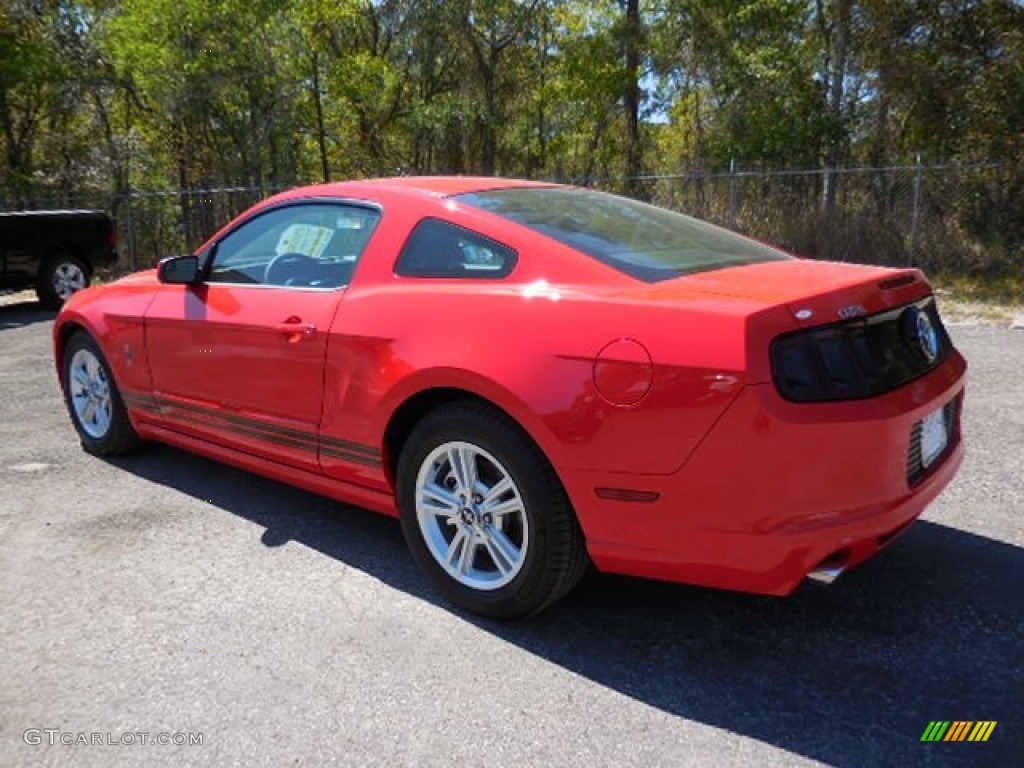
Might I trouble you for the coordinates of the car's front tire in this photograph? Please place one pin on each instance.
(93, 399)
(484, 514)
(62, 275)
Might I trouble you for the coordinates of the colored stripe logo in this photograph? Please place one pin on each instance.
(958, 730)
(254, 429)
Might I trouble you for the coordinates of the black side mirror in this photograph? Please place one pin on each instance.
(178, 269)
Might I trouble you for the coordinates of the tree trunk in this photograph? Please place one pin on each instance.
(632, 95)
(184, 200)
(836, 94)
(321, 137)
(490, 138)
(838, 34)
(18, 153)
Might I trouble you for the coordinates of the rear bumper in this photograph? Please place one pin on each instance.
(775, 489)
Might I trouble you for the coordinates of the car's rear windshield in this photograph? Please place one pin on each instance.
(646, 242)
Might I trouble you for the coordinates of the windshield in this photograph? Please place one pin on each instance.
(640, 240)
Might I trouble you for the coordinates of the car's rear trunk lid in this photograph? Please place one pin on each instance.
(815, 292)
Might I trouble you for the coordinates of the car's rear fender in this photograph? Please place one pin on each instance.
(381, 419)
(599, 381)
(695, 525)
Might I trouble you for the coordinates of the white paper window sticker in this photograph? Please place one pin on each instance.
(307, 239)
(350, 222)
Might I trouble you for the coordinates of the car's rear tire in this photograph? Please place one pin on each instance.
(61, 276)
(93, 399)
(484, 514)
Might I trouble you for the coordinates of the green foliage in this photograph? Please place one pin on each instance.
(101, 96)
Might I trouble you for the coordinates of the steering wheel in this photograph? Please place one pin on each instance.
(282, 266)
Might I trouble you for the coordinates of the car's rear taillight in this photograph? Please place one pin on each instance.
(858, 358)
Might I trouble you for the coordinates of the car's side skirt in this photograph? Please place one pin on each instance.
(254, 429)
(347, 493)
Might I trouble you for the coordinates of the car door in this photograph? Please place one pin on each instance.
(238, 359)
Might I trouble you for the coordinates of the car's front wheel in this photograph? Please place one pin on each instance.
(484, 514)
(93, 399)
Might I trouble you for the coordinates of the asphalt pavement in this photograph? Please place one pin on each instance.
(162, 596)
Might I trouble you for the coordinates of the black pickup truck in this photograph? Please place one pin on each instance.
(55, 252)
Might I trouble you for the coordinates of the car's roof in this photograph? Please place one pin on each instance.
(433, 186)
(456, 185)
(401, 190)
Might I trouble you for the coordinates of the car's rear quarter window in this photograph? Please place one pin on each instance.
(438, 248)
(644, 241)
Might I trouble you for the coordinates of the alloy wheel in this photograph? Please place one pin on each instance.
(472, 516)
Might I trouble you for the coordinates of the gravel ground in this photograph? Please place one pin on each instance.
(165, 594)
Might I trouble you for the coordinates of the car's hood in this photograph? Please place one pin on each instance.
(145, 277)
(814, 292)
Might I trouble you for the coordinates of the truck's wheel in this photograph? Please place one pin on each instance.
(61, 276)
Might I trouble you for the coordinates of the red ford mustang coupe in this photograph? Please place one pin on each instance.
(536, 377)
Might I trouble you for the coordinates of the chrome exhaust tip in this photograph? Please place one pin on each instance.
(830, 568)
(825, 574)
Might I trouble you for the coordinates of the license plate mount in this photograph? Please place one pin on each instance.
(934, 437)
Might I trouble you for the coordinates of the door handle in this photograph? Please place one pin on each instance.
(295, 330)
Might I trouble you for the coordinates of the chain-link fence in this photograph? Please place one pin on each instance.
(956, 219)
(154, 225)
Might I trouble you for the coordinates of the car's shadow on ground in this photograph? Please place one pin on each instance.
(848, 675)
(22, 313)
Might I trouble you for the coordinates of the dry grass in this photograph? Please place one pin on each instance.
(979, 301)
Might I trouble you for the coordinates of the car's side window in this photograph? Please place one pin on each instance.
(309, 245)
(438, 248)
